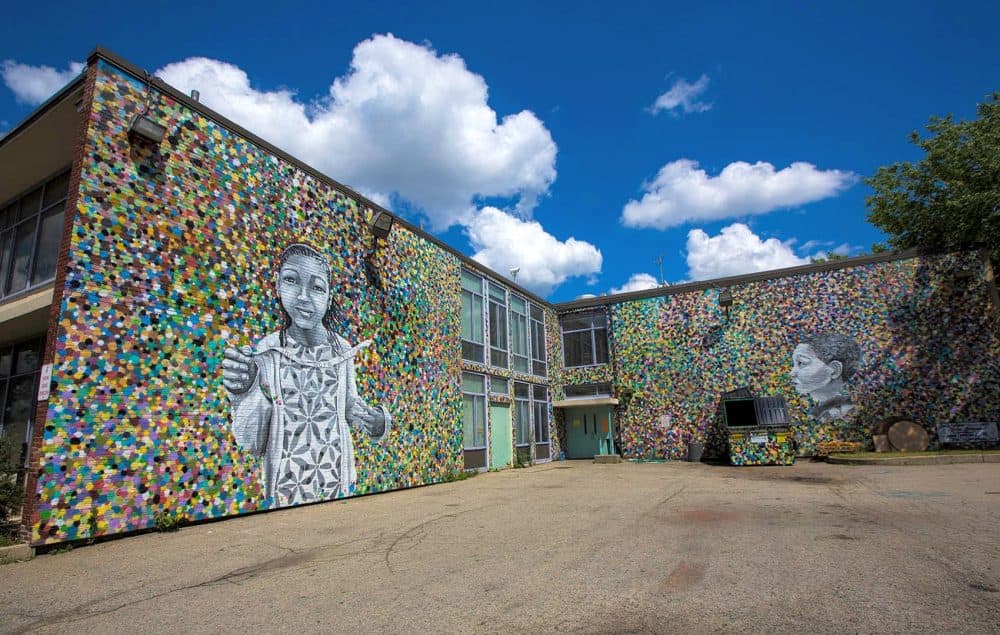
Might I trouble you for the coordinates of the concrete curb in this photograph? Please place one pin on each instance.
(916, 459)
(16, 553)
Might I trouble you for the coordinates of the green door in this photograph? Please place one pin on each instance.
(501, 436)
(588, 432)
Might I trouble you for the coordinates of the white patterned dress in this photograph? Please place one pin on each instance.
(298, 416)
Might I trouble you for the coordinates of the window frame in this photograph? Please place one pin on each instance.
(480, 398)
(524, 402)
(532, 323)
(10, 376)
(483, 345)
(12, 220)
(537, 426)
(512, 315)
(492, 301)
(593, 338)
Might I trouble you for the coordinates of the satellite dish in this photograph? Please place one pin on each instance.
(513, 272)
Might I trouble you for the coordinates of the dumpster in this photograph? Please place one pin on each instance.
(758, 430)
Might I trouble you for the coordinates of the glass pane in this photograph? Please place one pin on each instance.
(47, 252)
(472, 383)
(579, 348)
(7, 215)
(537, 341)
(498, 326)
(469, 421)
(6, 251)
(599, 320)
(575, 322)
(30, 204)
(541, 423)
(473, 352)
(480, 406)
(498, 358)
(540, 393)
(523, 422)
(499, 386)
(6, 359)
(19, 408)
(23, 239)
(520, 363)
(538, 368)
(55, 190)
(472, 282)
(584, 390)
(472, 317)
(498, 293)
(601, 343)
(28, 357)
(521, 390)
(536, 313)
(518, 304)
(519, 334)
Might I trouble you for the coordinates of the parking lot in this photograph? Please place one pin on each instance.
(567, 546)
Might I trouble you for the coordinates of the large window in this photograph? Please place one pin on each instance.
(30, 231)
(585, 339)
(19, 368)
(474, 410)
(538, 365)
(473, 347)
(540, 404)
(519, 334)
(522, 413)
(498, 326)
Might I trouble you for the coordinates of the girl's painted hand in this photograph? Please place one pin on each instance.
(238, 370)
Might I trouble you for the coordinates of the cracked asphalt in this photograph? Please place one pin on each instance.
(562, 547)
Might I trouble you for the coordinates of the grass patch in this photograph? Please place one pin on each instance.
(7, 541)
(889, 455)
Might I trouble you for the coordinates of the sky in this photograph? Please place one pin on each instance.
(595, 147)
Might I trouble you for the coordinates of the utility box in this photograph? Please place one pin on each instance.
(758, 430)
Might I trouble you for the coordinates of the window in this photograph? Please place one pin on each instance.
(588, 390)
(522, 413)
(498, 326)
(30, 231)
(473, 348)
(538, 365)
(474, 410)
(499, 386)
(540, 403)
(19, 368)
(585, 339)
(519, 334)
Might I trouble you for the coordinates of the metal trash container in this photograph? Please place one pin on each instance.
(758, 431)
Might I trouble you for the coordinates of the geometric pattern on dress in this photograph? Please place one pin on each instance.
(309, 463)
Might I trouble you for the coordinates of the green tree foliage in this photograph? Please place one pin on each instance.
(951, 197)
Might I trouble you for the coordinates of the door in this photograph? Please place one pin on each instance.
(501, 436)
(588, 432)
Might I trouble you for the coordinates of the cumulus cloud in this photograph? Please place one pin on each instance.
(683, 95)
(502, 241)
(682, 193)
(736, 250)
(637, 282)
(585, 296)
(404, 121)
(35, 84)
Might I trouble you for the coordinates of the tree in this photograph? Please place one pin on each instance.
(950, 199)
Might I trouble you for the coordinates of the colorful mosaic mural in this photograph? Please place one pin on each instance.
(174, 258)
(917, 338)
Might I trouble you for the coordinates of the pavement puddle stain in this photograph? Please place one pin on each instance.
(683, 577)
(706, 516)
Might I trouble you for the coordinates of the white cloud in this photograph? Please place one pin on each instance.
(585, 296)
(683, 95)
(503, 241)
(35, 84)
(736, 250)
(637, 282)
(403, 121)
(684, 193)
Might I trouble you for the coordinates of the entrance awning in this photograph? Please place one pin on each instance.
(594, 401)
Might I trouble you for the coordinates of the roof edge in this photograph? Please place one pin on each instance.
(100, 52)
(44, 107)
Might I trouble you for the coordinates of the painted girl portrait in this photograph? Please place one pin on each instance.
(822, 364)
(293, 395)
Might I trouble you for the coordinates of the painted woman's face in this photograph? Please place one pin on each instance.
(809, 372)
(304, 290)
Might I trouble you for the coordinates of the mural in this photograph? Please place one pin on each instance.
(915, 337)
(172, 261)
(294, 393)
(821, 365)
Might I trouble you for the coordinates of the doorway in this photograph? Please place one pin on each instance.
(588, 432)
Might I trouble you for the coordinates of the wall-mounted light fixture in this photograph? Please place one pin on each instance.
(380, 224)
(726, 301)
(144, 126)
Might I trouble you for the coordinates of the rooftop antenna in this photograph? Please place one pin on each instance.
(659, 260)
(513, 273)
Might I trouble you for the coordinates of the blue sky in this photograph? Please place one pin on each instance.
(528, 134)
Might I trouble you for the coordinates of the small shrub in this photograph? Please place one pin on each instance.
(166, 521)
(11, 490)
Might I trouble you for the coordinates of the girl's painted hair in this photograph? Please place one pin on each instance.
(834, 346)
(333, 314)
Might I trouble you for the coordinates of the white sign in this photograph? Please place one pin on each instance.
(43, 382)
(758, 438)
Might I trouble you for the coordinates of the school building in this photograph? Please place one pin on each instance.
(194, 324)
